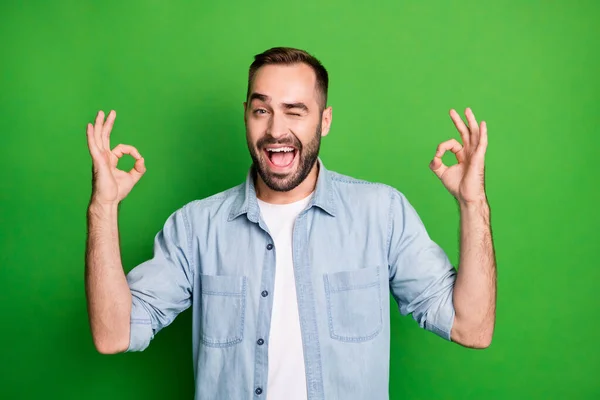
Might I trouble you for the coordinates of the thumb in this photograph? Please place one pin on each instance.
(438, 167)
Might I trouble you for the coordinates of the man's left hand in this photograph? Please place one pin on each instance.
(465, 180)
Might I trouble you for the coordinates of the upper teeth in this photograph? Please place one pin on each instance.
(279, 149)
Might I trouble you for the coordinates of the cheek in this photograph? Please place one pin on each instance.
(254, 130)
(305, 130)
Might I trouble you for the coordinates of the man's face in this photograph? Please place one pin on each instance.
(284, 124)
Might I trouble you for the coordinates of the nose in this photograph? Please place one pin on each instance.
(277, 126)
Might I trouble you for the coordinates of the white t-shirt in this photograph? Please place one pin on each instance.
(287, 376)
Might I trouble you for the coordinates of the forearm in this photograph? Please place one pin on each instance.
(107, 291)
(475, 288)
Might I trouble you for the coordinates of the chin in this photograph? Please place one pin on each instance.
(283, 167)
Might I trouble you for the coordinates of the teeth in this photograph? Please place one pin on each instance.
(280, 149)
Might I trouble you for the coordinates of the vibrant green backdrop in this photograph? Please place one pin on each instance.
(176, 74)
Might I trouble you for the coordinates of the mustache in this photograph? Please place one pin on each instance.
(290, 140)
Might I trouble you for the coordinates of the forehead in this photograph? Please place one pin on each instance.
(297, 82)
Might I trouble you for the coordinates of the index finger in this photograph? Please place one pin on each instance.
(122, 149)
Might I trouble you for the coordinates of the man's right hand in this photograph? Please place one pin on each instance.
(110, 185)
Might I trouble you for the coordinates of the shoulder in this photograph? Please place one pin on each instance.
(211, 208)
(217, 203)
(361, 189)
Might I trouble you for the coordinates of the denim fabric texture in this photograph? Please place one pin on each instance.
(354, 245)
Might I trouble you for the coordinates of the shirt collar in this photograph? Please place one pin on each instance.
(245, 201)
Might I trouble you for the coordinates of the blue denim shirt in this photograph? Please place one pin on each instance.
(355, 244)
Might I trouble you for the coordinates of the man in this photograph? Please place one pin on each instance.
(289, 273)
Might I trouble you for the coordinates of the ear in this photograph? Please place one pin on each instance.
(326, 121)
(245, 105)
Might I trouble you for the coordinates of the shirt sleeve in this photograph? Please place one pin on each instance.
(161, 287)
(421, 275)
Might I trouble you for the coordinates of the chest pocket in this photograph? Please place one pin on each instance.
(354, 304)
(223, 310)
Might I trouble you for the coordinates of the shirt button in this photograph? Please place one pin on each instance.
(270, 246)
(264, 293)
(260, 342)
(258, 391)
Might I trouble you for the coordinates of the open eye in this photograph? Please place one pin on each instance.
(260, 111)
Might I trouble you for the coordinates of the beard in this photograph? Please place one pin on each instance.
(307, 154)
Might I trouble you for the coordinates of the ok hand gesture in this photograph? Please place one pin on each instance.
(110, 185)
(465, 180)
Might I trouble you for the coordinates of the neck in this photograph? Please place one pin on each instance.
(268, 195)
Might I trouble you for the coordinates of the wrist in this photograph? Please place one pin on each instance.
(102, 208)
(480, 205)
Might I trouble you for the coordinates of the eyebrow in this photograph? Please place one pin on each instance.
(287, 106)
(259, 96)
(301, 106)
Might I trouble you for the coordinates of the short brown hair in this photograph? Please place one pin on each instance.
(289, 56)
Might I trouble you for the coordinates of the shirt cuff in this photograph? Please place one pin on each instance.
(140, 327)
(441, 322)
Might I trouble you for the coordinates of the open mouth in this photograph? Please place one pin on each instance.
(281, 157)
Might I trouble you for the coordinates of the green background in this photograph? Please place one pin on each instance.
(176, 74)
